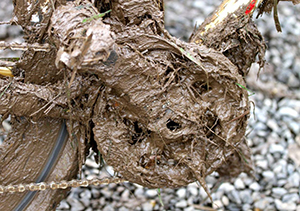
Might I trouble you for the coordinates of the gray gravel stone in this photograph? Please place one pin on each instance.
(261, 204)
(288, 111)
(226, 187)
(95, 193)
(234, 196)
(271, 123)
(278, 192)
(63, 205)
(289, 206)
(106, 193)
(181, 204)
(293, 180)
(294, 126)
(255, 186)
(108, 207)
(239, 184)
(193, 190)
(6, 126)
(190, 208)
(123, 209)
(90, 163)
(151, 193)
(245, 196)
(181, 193)
(293, 81)
(276, 148)
(139, 192)
(217, 204)
(225, 200)
(246, 207)
(293, 197)
(75, 204)
(85, 201)
(85, 194)
(269, 175)
(147, 206)
(262, 164)
(125, 195)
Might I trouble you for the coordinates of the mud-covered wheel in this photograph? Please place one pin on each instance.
(36, 152)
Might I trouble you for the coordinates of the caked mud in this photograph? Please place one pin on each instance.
(162, 112)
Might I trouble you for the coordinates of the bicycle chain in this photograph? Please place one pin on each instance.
(58, 185)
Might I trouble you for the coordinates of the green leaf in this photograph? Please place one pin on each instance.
(159, 196)
(95, 17)
(251, 93)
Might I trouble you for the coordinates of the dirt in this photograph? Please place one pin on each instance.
(162, 112)
(23, 161)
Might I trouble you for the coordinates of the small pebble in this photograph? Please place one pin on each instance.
(108, 207)
(234, 196)
(262, 164)
(225, 200)
(193, 190)
(293, 197)
(255, 186)
(147, 206)
(261, 204)
(278, 192)
(239, 184)
(63, 205)
(217, 204)
(90, 163)
(181, 204)
(287, 111)
(276, 148)
(245, 196)
(190, 208)
(151, 193)
(181, 193)
(289, 206)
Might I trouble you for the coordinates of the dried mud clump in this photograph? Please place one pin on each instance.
(162, 112)
(171, 112)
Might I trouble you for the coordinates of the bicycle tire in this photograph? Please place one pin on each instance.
(36, 152)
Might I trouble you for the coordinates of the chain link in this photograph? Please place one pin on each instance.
(58, 185)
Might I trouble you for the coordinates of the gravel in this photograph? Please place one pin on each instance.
(273, 133)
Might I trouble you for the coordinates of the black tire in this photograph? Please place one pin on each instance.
(36, 152)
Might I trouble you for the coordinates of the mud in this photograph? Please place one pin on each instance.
(241, 42)
(162, 112)
(165, 116)
(23, 158)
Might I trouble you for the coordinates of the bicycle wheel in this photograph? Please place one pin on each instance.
(36, 152)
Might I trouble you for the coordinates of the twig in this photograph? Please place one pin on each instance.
(8, 85)
(7, 64)
(5, 22)
(240, 116)
(24, 46)
(275, 16)
(34, 113)
(203, 207)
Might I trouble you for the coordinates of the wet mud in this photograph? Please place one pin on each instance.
(23, 161)
(162, 112)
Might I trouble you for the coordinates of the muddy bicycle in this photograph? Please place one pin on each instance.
(107, 76)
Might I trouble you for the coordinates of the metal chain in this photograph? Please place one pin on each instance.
(57, 185)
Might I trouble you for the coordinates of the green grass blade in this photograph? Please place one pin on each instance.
(95, 17)
(159, 197)
(251, 93)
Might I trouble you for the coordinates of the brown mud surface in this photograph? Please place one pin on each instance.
(23, 161)
(162, 112)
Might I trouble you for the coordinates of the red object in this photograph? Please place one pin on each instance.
(250, 7)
